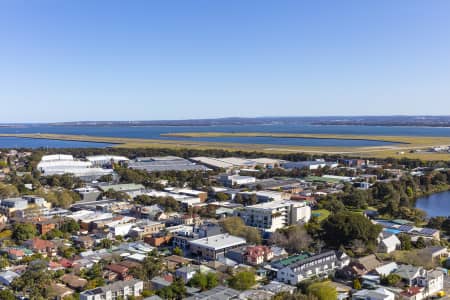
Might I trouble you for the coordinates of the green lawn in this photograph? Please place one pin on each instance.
(323, 214)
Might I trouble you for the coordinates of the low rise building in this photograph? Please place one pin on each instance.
(11, 206)
(46, 248)
(388, 244)
(114, 291)
(74, 282)
(146, 228)
(295, 269)
(131, 189)
(377, 294)
(59, 164)
(7, 277)
(236, 180)
(106, 160)
(212, 247)
(165, 163)
(219, 292)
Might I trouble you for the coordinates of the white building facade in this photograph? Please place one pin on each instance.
(274, 215)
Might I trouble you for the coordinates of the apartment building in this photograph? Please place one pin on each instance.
(114, 291)
(10, 206)
(274, 215)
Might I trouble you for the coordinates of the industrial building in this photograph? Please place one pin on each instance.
(165, 163)
(106, 160)
(59, 164)
(236, 180)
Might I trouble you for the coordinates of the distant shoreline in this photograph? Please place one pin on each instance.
(406, 148)
(387, 121)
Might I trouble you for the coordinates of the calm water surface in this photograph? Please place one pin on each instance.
(436, 204)
(7, 142)
(154, 132)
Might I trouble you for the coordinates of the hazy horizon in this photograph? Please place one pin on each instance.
(230, 117)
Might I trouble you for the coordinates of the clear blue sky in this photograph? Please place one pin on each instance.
(64, 60)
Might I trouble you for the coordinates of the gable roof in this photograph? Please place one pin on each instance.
(74, 281)
(39, 244)
(391, 241)
(369, 262)
(408, 272)
(386, 269)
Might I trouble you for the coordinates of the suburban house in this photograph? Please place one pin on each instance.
(256, 255)
(7, 277)
(84, 242)
(432, 280)
(187, 272)
(46, 248)
(297, 268)
(58, 291)
(361, 266)
(119, 270)
(378, 294)
(252, 255)
(388, 244)
(219, 292)
(73, 281)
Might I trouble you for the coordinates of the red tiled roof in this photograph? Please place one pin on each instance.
(54, 265)
(117, 268)
(66, 263)
(168, 277)
(16, 252)
(414, 290)
(39, 244)
(256, 251)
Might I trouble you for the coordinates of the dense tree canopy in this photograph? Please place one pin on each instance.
(24, 231)
(242, 280)
(235, 226)
(322, 290)
(343, 227)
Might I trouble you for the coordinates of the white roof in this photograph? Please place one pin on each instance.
(387, 269)
(64, 164)
(220, 241)
(211, 161)
(265, 160)
(137, 257)
(277, 204)
(57, 157)
(391, 241)
(9, 276)
(379, 293)
(95, 158)
(188, 191)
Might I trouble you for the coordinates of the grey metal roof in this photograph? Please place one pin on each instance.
(217, 293)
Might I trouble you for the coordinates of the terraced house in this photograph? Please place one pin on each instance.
(297, 268)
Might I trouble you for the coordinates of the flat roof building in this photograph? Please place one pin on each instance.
(165, 163)
(214, 246)
(59, 164)
(102, 160)
(115, 290)
(270, 216)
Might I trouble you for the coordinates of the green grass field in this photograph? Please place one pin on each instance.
(323, 214)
